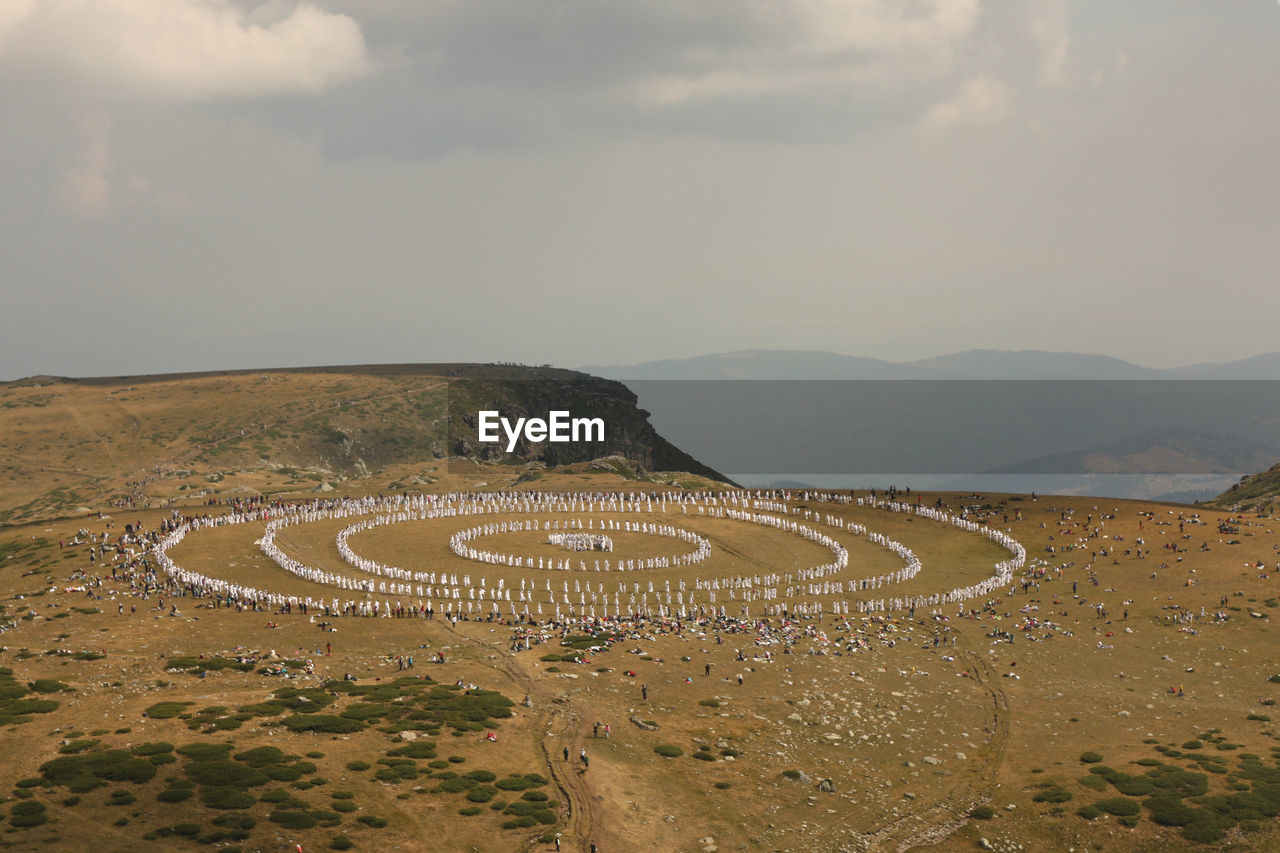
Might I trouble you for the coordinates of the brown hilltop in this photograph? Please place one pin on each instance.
(70, 443)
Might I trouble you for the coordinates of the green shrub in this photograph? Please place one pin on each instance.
(326, 723)
(417, 749)
(166, 710)
(668, 750)
(48, 685)
(340, 842)
(982, 813)
(224, 774)
(1090, 758)
(515, 783)
(1089, 812)
(520, 822)
(122, 798)
(284, 772)
(397, 773)
(1135, 786)
(1053, 795)
(1118, 806)
(261, 756)
(1170, 812)
(1205, 828)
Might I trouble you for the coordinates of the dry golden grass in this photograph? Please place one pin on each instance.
(902, 716)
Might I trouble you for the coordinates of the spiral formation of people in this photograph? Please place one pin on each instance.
(599, 578)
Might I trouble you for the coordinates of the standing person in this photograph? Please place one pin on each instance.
(595, 730)
(566, 753)
(644, 692)
(582, 756)
(606, 731)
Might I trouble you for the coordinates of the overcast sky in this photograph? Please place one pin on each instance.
(205, 184)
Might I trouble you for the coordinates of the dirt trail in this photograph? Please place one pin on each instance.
(562, 726)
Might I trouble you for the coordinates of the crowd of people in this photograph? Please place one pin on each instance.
(454, 596)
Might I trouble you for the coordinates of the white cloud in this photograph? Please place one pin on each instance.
(13, 13)
(1050, 33)
(178, 49)
(981, 99)
(799, 44)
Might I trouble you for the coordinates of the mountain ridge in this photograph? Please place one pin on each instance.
(967, 364)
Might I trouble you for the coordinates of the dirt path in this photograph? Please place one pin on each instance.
(561, 726)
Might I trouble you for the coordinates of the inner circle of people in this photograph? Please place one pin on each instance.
(603, 590)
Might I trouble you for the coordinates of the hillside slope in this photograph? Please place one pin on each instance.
(72, 443)
(1254, 492)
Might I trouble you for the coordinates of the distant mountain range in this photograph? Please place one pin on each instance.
(970, 364)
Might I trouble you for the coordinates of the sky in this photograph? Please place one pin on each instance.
(213, 184)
